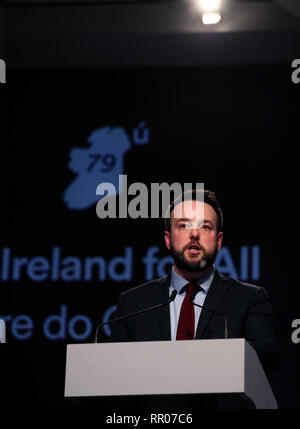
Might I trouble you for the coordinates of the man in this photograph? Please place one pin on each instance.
(194, 236)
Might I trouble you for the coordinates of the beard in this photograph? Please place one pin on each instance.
(194, 266)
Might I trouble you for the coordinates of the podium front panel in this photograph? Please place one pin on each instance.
(154, 368)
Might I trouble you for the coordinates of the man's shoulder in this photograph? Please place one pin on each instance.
(242, 286)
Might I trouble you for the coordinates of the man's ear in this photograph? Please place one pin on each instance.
(220, 239)
(167, 239)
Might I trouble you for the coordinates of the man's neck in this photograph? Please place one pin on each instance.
(192, 276)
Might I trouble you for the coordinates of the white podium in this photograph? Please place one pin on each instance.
(167, 368)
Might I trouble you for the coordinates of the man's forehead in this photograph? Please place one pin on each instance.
(192, 209)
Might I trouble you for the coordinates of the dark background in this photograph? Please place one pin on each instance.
(233, 127)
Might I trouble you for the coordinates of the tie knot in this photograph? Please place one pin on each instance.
(191, 287)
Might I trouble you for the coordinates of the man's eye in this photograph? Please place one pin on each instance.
(205, 227)
(182, 226)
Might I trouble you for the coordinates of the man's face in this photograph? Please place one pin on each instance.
(193, 239)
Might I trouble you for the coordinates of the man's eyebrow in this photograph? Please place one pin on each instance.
(208, 221)
(185, 219)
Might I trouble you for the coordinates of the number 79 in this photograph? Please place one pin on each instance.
(108, 161)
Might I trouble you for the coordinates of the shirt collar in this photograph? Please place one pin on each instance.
(178, 282)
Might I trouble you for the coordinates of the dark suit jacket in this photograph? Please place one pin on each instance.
(248, 309)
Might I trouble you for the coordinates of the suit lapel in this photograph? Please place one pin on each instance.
(163, 314)
(216, 292)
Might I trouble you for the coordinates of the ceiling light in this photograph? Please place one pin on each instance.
(211, 18)
(210, 5)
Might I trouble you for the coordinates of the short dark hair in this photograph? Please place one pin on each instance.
(209, 197)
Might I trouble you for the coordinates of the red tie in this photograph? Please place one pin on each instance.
(186, 323)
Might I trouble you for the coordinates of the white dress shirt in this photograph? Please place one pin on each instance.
(178, 283)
